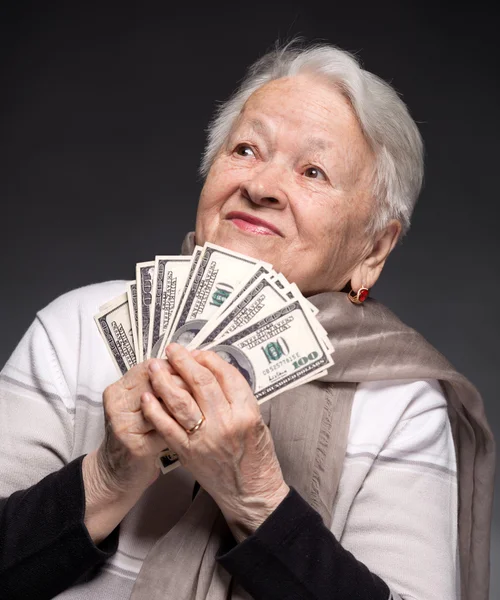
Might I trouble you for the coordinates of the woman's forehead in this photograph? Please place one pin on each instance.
(304, 104)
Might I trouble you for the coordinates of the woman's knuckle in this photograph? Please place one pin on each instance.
(110, 401)
(210, 356)
(203, 378)
(183, 403)
(251, 421)
(109, 393)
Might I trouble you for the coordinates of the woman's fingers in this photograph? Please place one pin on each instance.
(171, 432)
(201, 381)
(179, 402)
(121, 402)
(179, 382)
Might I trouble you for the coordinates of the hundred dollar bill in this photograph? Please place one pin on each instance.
(193, 265)
(132, 307)
(278, 352)
(263, 298)
(292, 292)
(264, 269)
(115, 327)
(281, 281)
(144, 277)
(170, 275)
(220, 272)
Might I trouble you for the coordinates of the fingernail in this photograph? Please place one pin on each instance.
(154, 366)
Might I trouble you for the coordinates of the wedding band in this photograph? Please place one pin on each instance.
(197, 426)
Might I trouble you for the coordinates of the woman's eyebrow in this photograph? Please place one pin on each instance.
(255, 124)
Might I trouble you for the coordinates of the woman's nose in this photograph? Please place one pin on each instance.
(267, 187)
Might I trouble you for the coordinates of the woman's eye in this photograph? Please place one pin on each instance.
(314, 173)
(244, 150)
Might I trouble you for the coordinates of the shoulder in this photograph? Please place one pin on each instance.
(70, 332)
(82, 301)
(396, 399)
(402, 415)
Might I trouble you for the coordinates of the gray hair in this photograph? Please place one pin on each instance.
(383, 117)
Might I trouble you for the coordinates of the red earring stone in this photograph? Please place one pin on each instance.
(363, 294)
(360, 296)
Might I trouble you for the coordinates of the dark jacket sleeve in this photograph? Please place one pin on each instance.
(44, 544)
(293, 556)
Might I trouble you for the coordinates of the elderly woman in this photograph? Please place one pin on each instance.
(342, 488)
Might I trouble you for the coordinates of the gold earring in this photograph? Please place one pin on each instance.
(360, 296)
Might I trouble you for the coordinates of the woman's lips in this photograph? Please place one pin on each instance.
(252, 224)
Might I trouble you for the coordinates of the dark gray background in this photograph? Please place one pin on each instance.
(102, 118)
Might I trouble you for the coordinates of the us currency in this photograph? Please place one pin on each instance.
(220, 272)
(115, 327)
(132, 307)
(167, 461)
(277, 352)
(274, 354)
(261, 299)
(170, 276)
(293, 291)
(193, 265)
(235, 305)
(264, 269)
(144, 277)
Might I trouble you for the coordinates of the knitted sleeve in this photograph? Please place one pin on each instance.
(44, 544)
(294, 556)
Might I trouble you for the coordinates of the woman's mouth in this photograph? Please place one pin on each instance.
(251, 224)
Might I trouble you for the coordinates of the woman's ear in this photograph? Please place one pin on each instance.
(368, 270)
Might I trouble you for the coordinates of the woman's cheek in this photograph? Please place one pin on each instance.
(206, 224)
(215, 195)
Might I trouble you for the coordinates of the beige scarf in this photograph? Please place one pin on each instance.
(310, 426)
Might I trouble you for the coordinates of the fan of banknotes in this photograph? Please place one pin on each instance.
(223, 301)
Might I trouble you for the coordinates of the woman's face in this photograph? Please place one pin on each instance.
(292, 185)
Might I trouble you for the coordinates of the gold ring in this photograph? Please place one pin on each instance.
(197, 426)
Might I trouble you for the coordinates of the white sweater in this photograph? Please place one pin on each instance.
(400, 450)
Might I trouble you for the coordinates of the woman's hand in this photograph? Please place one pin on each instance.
(116, 475)
(231, 454)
